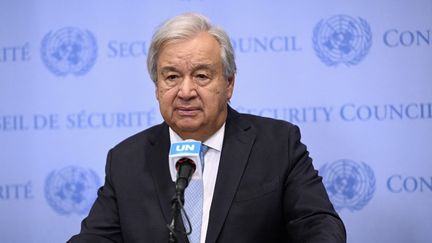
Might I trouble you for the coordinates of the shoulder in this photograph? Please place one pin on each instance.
(262, 124)
(144, 138)
(265, 122)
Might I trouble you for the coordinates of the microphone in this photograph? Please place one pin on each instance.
(185, 168)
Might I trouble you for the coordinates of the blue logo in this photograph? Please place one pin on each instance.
(71, 190)
(349, 184)
(69, 51)
(342, 39)
(185, 147)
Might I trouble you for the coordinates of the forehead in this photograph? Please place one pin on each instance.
(200, 49)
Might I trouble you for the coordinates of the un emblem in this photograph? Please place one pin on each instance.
(71, 190)
(342, 39)
(69, 50)
(349, 184)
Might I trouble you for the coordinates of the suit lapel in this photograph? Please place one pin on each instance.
(157, 158)
(238, 141)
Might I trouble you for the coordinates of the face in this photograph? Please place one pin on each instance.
(191, 89)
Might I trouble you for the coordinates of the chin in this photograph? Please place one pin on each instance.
(187, 128)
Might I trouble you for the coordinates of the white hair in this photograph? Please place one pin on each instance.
(184, 27)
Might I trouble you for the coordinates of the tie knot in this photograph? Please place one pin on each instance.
(204, 149)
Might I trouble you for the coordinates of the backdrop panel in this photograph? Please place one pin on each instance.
(355, 76)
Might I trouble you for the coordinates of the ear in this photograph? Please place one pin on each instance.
(156, 91)
(230, 86)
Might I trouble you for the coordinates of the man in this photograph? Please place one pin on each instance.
(259, 182)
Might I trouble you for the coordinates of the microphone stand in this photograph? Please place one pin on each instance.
(175, 209)
(186, 168)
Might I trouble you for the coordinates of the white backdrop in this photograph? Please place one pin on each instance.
(355, 76)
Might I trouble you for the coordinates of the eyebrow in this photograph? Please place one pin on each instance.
(210, 67)
(168, 69)
(203, 66)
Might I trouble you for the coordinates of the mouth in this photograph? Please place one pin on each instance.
(187, 111)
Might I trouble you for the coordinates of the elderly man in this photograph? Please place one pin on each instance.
(259, 184)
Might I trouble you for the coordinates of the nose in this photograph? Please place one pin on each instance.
(187, 89)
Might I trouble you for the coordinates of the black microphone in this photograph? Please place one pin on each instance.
(182, 155)
(185, 169)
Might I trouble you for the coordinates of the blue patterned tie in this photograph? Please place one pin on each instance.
(194, 203)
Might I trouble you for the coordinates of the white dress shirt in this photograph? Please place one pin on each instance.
(211, 166)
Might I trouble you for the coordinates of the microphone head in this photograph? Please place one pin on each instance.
(185, 162)
(185, 169)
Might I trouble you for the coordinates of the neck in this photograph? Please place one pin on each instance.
(199, 135)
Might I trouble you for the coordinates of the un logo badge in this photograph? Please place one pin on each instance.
(71, 190)
(69, 50)
(342, 39)
(349, 184)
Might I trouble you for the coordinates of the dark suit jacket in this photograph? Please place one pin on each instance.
(266, 189)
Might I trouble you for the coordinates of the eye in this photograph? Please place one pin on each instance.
(172, 77)
(201, 77)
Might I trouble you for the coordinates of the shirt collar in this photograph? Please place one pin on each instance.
(215, 141)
